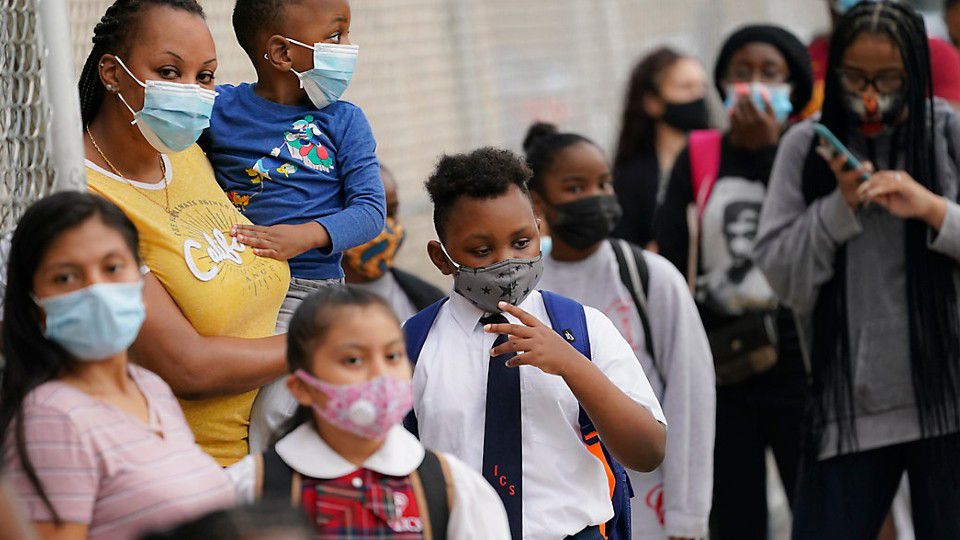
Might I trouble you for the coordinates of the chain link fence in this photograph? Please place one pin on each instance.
(33, 128)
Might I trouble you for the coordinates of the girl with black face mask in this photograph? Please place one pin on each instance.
(665, 102)
(572, 190)
(871, 268)
(707, 227)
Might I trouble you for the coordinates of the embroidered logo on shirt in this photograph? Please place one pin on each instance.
(404, 524)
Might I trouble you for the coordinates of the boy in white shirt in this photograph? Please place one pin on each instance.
(509, 407)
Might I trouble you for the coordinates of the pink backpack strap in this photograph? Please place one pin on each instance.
(704, 164)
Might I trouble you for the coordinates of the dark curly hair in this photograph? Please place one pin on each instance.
(111, 36)
(251, 18)
(485, 173)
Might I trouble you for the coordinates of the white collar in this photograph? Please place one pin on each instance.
(155, 186)
(308, 454)
(464, 312)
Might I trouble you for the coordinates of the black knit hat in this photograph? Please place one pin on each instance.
(792, 49)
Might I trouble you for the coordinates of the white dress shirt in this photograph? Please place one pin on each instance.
(564, 486)
(477, 512)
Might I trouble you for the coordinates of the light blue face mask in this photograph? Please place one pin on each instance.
(97, 322)
(778, 94)
(333, 66)
(173, 114)
(546, 245)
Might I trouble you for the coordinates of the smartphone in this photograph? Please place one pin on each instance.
(838, 148)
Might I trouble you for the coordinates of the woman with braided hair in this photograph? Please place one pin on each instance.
(211, 303)
(868, 259)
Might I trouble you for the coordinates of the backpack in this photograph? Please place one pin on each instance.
(704, 149)
(568, 319)
(276, 481)
(636, 278)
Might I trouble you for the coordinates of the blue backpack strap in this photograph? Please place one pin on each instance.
(415, 332)
(570, 321)
(568, 318)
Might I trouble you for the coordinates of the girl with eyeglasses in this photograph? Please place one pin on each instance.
(867, 258)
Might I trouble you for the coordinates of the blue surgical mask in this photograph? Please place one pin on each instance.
(173, 114)
(777, 94)
(97, 322)
(333, 66)
(546, 245)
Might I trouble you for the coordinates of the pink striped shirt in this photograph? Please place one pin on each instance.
(107, 469)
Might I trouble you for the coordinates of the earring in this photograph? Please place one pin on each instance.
(111, 88)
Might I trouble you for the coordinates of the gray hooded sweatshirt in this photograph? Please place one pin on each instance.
(796, 248)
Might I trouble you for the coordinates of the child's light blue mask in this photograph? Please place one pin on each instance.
(777, 94)
(173, 114)
(333, 66)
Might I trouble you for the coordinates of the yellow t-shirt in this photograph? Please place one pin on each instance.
(222, 288)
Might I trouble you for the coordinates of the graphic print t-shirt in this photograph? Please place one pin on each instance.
(729, 282)
(221, 287)
(282, 164)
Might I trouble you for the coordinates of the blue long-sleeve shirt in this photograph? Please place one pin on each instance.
(296, 164)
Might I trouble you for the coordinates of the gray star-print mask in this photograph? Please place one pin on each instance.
(508, 281)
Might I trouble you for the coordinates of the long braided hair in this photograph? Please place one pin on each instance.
(110, 36)
(931, 294)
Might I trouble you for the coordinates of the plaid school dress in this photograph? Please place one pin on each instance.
(403, 491)
(362, 505)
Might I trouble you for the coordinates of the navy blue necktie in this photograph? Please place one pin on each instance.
(502, 442)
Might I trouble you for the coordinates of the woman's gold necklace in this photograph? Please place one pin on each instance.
(163, 169)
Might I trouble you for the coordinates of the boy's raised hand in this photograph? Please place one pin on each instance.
(535, 343)
(281, 242)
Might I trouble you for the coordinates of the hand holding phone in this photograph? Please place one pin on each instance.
(837, 148)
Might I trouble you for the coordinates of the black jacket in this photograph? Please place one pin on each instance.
(636, 183)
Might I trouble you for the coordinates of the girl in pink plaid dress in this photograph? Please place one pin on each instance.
(346, 460)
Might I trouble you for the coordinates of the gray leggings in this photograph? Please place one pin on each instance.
(274, 404)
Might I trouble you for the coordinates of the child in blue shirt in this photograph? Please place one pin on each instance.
(295, 159)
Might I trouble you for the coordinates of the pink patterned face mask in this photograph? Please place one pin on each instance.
(368, 409)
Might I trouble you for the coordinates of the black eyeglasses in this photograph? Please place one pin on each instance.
(885, 82)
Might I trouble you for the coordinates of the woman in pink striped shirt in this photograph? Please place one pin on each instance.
(94, 446)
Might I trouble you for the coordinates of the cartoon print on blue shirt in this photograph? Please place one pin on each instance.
(303, 143)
